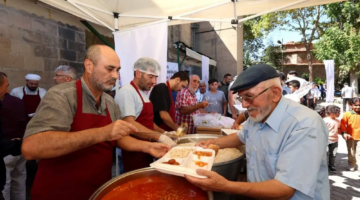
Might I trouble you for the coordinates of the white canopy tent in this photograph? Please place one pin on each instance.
(121, 15)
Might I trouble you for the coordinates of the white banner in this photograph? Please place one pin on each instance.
(205, 69)
(149, 41)
(172, 68)
(330, 87)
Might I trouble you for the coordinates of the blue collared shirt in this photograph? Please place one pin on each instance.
(291, 148)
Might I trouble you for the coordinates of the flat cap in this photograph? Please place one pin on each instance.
(253, 76)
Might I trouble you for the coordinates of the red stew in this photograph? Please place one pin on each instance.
(157, 187)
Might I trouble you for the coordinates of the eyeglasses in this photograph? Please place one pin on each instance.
(58, 75)
(250, 100)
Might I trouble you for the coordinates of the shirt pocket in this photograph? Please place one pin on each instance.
(270, 162)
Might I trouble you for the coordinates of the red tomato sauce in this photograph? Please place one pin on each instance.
(157, 187)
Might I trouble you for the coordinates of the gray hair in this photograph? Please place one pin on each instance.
(69, 71)
(203, 81)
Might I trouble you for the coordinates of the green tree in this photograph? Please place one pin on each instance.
(341, 41)
(272, 56)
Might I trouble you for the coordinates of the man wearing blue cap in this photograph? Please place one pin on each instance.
(285, 144)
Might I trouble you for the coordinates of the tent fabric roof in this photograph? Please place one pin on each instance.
(139, 12)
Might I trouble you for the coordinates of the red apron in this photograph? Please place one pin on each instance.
(171, 111)
(31, 101)
(136, 160)
(77, 175)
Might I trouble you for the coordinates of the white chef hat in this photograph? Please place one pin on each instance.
(148, 65)
(32, 77)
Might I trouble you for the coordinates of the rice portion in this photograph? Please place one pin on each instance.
(179, 153)
(227, 154)
(223, 155)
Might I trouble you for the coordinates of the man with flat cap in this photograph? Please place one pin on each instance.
(285, 144)
(31, 93)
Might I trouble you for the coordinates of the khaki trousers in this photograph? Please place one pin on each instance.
(353, 147)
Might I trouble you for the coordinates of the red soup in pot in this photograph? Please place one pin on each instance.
(157, 187)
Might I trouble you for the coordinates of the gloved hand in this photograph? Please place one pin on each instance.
(170, 133)
(166, 140)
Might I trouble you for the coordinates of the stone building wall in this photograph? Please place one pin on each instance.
(33, 44)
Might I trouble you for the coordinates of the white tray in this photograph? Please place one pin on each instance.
(187, 165)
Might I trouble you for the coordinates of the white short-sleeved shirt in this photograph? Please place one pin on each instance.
(130, 102)
(18, 92)
(347, 92)
(302, 81)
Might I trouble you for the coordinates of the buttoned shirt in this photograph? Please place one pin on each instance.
(18, 92)
(58, 108)
(289, 147)
(186, 98)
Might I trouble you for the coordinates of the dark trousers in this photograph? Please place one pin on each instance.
(1, 196)
(323, 95)
(345, 101)
(332, 150)
(312, 104)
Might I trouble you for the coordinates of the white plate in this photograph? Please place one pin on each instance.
(187, 165)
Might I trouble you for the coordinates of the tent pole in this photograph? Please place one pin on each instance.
(89, 14)
(116, 21)
(178, 58)
(96, 33)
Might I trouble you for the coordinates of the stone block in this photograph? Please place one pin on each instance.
(5, 46)
(17, 19)
(78, 66)
(4, 17)
(73, 27)
(66, 33)
(46, 52)
(15, 33)
(80, 56)
(80, 37)
(39, 25)
(20, 48)
(67, 55)
(50, 64)
(75, 46)
(49, 40)
(8, 60)
(4, 31)
(34, 63)
(32, 37)
(62, 43)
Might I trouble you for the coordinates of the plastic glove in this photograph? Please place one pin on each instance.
(166, 140)
(170, 133)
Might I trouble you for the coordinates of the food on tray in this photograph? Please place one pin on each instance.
(157, 187)
(214, 147)
(223, 155)
(200, 163)
(202, 153)
(179, 153)
(171, 162)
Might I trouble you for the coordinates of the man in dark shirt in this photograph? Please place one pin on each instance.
(163, 103)
(225, 85)
(14, 119)
(7, 147)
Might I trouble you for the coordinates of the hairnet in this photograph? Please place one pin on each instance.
(148, 65)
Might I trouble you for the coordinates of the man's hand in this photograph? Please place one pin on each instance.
(205, 143)
(347, 136)
(157, 150)
(204, 104)
(235, 126)
(214, 182)
(167, 140)
(117, 130)
(234, 116)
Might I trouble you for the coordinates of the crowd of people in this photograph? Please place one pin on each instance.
(72, 128)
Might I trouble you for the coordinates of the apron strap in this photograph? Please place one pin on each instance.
(168, 85)
(132, 83)
(79, 97)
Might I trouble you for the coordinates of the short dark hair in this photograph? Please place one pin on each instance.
(332, 109)
(2, 78)
(354, 100)
(182, 75)
(226, 75)
(212, 80)
(282, 76)
(294, 83)
(292, 72)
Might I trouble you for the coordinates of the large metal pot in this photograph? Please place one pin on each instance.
(132, 175)
(230, 169)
